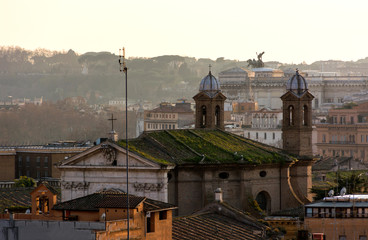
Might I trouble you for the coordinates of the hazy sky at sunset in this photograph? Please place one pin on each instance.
(287, 30)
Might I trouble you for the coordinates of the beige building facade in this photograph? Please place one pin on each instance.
(169, 116)
(266, 85)
(345, 133)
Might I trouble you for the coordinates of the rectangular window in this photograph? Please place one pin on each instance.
(351, 120)
(273, 136)
(265, 136)
(309, 212)
(46, 173)
(20, 160)
(46, 162)
(324, 138)
(163, 215)
(256, 135)
(361, 138)
(38, 162)
(151, 222)
(38, 174)
(28, 161)
(342, 237)
(28, 173)
(363, 237)
(174, 126)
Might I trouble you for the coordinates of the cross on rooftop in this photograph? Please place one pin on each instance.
(112, 119)
(209, 66)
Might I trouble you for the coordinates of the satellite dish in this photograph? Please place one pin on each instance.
(343, 191)
(331, 193)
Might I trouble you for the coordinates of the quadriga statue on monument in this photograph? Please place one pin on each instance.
(256, 63)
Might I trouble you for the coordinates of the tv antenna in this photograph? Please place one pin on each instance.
(123, 68)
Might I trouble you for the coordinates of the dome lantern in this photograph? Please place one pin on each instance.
(297, 84)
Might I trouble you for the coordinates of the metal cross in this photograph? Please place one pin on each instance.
(209, 66)
(112, 119)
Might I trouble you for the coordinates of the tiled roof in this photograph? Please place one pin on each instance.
(119, 201)
(19, 197)
(51, 188)
(87, 203)
(197, 146)
(172, 109)
(212, 226)
(98, 200)
(15, 197)
(218, 221)
(151, 205)
(328, 163)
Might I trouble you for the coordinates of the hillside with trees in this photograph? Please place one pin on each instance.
(95, 76)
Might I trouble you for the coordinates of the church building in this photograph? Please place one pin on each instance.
(184, 167)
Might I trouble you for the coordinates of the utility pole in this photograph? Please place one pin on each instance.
(124, 69)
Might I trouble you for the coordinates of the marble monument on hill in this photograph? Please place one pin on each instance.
(184, 167)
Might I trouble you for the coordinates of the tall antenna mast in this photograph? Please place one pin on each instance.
(124, 69)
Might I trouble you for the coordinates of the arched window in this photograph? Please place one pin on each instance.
(217, 116)
(264, 201)
(204, 116)
(291, 115)
(305, 115)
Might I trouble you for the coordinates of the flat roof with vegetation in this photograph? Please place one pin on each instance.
(203, 146)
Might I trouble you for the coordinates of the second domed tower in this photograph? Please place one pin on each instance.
(209, 104)
(297, 117)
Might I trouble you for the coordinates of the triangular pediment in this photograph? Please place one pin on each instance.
(107, 154)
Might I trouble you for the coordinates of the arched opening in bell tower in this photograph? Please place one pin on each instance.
(204, 116)
(305, 115)
(291, 115)
(217, 116)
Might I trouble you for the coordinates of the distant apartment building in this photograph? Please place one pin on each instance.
(36, 161)
(266, 127)
(169, 116)
(338, 217)
(345, 133)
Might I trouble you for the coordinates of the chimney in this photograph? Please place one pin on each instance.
(218, 195)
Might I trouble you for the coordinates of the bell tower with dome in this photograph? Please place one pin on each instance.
(209, 104)
(297, 117)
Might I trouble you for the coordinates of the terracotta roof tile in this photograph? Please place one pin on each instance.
(98, 200)
(212, 226)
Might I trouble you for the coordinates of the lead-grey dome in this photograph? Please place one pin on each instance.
(297, 84)
(209, 84)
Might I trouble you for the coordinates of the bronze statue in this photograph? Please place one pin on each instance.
(256, 63)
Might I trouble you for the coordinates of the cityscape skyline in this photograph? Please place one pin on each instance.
(288, 31)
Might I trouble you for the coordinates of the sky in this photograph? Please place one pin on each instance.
(288, 31)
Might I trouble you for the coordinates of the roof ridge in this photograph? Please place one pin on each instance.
(182, 143)
(162, 146)
(214, 145)
(262, 144)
